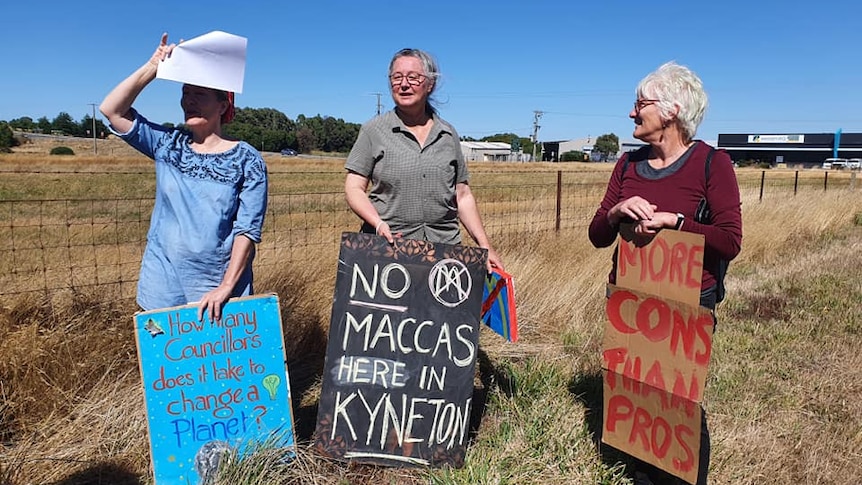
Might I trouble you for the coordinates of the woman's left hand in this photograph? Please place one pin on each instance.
(212, 303)
(494, 260)
(660, 220)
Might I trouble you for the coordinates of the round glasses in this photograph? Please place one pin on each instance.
(413, 78)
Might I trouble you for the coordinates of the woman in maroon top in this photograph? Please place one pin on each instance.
(665, 184)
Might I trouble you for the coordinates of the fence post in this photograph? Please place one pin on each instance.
(853, 181)
(559, 199)
(796, 183)
(825, 178)
(762, 180)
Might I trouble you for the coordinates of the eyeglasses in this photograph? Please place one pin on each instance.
(413, 78)
(643, 103)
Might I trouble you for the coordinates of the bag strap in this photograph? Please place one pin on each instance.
(708, 163)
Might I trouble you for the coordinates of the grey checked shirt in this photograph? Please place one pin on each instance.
(412, 187)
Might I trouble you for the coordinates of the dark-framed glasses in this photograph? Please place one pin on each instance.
(413, 78)
(643, 103)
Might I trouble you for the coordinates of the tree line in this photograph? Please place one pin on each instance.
(62, 124)
(266, 129)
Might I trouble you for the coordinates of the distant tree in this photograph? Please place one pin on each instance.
(306, 140)
(85, 128)
(7, 140)
(263, 128)
(338, 135)
(525, 145)
(44, 125)
(24, 123)
(314, 127)
(66, 124)
(606, 146)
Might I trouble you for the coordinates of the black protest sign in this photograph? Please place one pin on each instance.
(403, 339)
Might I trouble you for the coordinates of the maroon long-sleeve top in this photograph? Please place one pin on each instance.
(680, 189)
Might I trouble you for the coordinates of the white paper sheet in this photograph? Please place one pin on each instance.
(214, 60)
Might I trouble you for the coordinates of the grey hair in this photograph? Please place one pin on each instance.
(675, 85)
(432, 73)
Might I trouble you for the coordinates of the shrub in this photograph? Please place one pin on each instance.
(62, 151)
(6, 138)
(573, 156)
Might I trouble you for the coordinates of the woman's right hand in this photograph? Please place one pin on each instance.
(636, 208)
(117, 105)
(163, 51)
(384, 230)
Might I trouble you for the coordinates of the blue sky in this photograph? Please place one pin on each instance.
(768, 66)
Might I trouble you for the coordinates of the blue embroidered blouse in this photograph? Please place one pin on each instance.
(203, 201)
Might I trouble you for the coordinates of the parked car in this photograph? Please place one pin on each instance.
(834, 163)
(854, 163)
(288, 152)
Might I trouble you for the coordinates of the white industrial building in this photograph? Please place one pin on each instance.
(487, 151)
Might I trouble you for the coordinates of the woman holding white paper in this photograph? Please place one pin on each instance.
(211, 195)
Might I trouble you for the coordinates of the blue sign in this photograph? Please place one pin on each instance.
(213, 387)
(836, 144)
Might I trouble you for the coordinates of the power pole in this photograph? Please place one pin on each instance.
(379, 106)
(94, 127)
(535, 136)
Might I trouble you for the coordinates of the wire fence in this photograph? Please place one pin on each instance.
(50, 246)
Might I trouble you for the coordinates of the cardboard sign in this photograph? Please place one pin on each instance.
(669, 265)
(652, 425)
(663, 343)
(403, 339)
(656, 350)
(498, 305)
(210, 387)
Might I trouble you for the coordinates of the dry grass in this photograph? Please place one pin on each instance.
(783, 397)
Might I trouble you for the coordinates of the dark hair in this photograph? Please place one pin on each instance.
(431, 71)
(229, 114)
